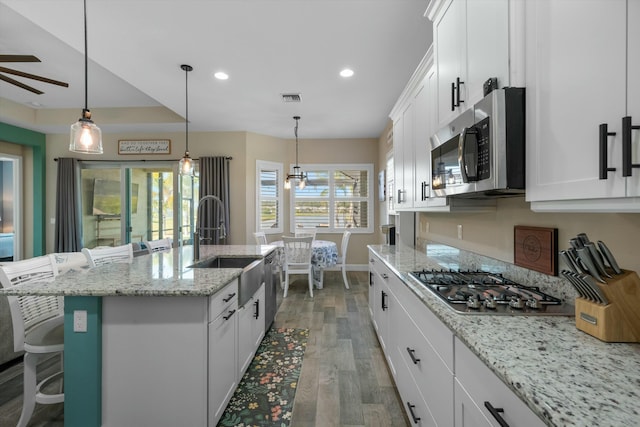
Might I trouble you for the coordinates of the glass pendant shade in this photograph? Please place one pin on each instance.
(186, 164)
(86, 137)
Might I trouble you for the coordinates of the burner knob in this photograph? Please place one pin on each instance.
(474, 302)
(533, 303)
(516, 302)
(490, 303)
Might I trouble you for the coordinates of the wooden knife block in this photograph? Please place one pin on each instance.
(618, 321)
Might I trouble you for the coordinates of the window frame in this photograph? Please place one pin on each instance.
(331, 199)
(264, 165)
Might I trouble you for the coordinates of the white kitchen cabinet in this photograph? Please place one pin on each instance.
(577, 81)
(251, 325)
(403, 159)
(477, 389)
(223, 353)
(471, 45)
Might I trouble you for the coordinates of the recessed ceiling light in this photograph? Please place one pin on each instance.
(221, 75)
(347, 72)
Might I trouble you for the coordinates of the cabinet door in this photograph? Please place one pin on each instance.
(575, 81)
(245, 337)
(449, 42)
(398, 164)
(408, 152)
(467, 413)
(222, 363)
(487, 42)
(633, 88)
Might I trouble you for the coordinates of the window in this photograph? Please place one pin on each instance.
(269, 201)
(335, 198)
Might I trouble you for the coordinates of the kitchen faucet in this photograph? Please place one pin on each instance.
(199, 228)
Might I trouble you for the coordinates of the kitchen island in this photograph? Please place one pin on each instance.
(144, 351)
(566, 377)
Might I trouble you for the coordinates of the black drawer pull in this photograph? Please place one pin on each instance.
(496, 414)
(627, 164)
(257, 312)
(604, 159)
(229, 298)
(413, 415)
(384, 300)
(414, 359)
(453, 96)
(228, 316)
(370, 279)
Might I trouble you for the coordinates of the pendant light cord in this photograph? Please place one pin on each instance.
(186, 97)
(86, 60)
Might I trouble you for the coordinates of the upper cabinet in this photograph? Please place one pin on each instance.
(581, 84)
(471, 45)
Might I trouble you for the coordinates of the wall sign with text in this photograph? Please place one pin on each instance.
(144, 146)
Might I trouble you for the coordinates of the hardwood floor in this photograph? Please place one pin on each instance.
(344, 380)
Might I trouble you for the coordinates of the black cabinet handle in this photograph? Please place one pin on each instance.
(256, 313)
(458, 100)
(413, 415)
(228, 316)
(425, 186)
(453, 96)
(496, 414)
(604, 160)
(414, 359)
(370, 279)
(627, 128)
(229, 298)
(384, 301)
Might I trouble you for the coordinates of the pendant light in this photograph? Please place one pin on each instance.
(186, 163)
(297, 174)
(86, 137)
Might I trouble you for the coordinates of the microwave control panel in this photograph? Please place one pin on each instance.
(484, 149)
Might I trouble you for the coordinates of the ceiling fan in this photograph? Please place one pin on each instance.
(25, 58)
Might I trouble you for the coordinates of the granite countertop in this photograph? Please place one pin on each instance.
(158, 274)
(567, 377)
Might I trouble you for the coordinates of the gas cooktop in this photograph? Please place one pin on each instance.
(479, 292)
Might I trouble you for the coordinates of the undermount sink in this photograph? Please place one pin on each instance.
(250, 279)
(225, 262)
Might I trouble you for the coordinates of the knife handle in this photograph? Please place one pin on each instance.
(609, 257)
(599, 263)
(585, 257)
(569, 261)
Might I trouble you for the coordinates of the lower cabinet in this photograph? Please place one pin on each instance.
(440, 381)
(251, 325)
(482, 399)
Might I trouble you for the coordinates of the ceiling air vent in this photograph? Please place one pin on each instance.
(291, 97)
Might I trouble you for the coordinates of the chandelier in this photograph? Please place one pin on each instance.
(297, 174)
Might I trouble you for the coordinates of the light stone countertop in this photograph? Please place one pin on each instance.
(567, 377)
(158, 274)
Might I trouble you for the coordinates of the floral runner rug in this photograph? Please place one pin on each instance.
(265, 395)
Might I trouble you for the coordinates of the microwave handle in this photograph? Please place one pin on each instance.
(468, 169)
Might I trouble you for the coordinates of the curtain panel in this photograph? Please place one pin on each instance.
(68, 230)
(214, 181)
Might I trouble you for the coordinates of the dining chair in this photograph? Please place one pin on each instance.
(261, 238)
(159, 245)
(297, 255)
(70, 261)
(306, 232)
(342, 257)
(38, 329)
(108, 255)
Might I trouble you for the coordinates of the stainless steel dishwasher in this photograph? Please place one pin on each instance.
(271, 287)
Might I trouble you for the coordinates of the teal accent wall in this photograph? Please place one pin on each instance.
(36, 141)
(83, 364)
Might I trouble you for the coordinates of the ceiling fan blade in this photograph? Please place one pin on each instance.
(33, 76)
(22, 85)
(18, 58)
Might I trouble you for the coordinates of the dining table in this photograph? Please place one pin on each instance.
(324, 255)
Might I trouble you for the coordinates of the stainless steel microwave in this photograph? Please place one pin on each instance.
(482, 152)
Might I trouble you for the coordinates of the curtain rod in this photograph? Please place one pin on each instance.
(55, 159)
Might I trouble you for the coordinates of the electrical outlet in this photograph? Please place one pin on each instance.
(460, 231)
(80, 321)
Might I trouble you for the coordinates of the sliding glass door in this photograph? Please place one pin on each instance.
(135, 202)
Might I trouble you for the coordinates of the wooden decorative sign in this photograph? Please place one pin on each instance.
(536, 248)
(144, 146)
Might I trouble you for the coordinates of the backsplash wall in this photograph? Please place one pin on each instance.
(491, 234)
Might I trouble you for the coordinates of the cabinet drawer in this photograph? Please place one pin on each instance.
(432, 376)
(439, 336)
(221, 300)
(482, 386)
(413, 402)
